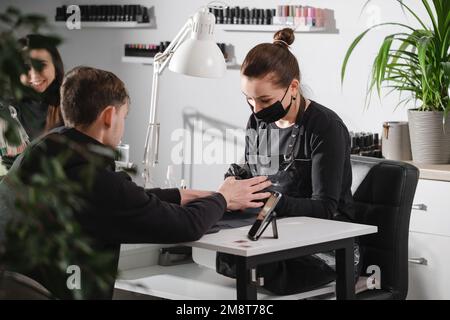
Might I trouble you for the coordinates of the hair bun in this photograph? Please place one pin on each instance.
(284, 37)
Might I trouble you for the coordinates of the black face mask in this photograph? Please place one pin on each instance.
(273, 112)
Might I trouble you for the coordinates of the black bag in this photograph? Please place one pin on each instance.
(284, 277)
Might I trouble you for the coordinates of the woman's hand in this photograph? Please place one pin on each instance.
(243, 194)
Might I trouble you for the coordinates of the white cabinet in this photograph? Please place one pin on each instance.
(429, 276)
(431, 208)
(429, 241)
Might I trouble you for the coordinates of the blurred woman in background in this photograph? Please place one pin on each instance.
(38, 112)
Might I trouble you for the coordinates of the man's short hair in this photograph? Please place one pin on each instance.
(86, 92)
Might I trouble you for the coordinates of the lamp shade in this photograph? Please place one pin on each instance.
(199, 56)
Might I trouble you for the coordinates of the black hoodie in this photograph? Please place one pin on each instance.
(120, 211)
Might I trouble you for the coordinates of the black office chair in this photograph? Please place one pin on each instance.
(383, 197)
(16, 286)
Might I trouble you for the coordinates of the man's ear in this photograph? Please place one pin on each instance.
(107, 115)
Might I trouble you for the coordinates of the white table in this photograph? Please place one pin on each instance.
(298, 236)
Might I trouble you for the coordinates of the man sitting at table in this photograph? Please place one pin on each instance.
(94, 107)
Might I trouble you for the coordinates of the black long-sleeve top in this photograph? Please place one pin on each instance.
(323, 153)
(120, 210)
(116, 210)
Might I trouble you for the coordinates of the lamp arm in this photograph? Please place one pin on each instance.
(164, 57)
(151, 148)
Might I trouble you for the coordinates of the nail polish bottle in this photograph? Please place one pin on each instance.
(87, 15)
(102, 16)
(231, 16)
(298, 13)
(355, 149)
(134, 13)
(97, 14)
(290, 15)
(237, 16)
(269, 17)
(105, 13)
(313, 16)
(128, 16)
(276, 19)
(82, 13)
(130, 12)
(221, 17)
(145, 15)
(119, 13)
(247, 16)
(376, 140)
(226, 15)
(256, 16)
(310, 17)
(320, 19)
(304, 14)
(91, 14)
(262, 16)
(116, 13)
(58, 16)
(110, 13)
(242, 16)
(139, 14)
(285, 15)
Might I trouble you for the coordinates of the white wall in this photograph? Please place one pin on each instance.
(320, 57)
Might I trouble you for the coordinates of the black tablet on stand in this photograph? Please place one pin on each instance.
(265, 217)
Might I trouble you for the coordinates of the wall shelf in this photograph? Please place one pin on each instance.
(112, 24)
(141, 60)
(270, 28)
(149, 61)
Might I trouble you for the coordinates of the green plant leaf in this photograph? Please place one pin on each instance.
(431, 16)
(446, 68)
(358, 40)
(382, 60)
(413, 14)
(423, 47)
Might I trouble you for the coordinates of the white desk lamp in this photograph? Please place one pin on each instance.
(198, 56)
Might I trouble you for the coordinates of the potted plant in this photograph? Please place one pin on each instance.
(416, 62)
(42, 237)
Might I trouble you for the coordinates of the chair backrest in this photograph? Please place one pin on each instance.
(16, 286)
(383, 191)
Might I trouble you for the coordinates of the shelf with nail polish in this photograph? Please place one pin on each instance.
(108, 16)
(116, 25)
(366, 144)
(302, 19)
(144, 53)
(268, 28)
(231, 65)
